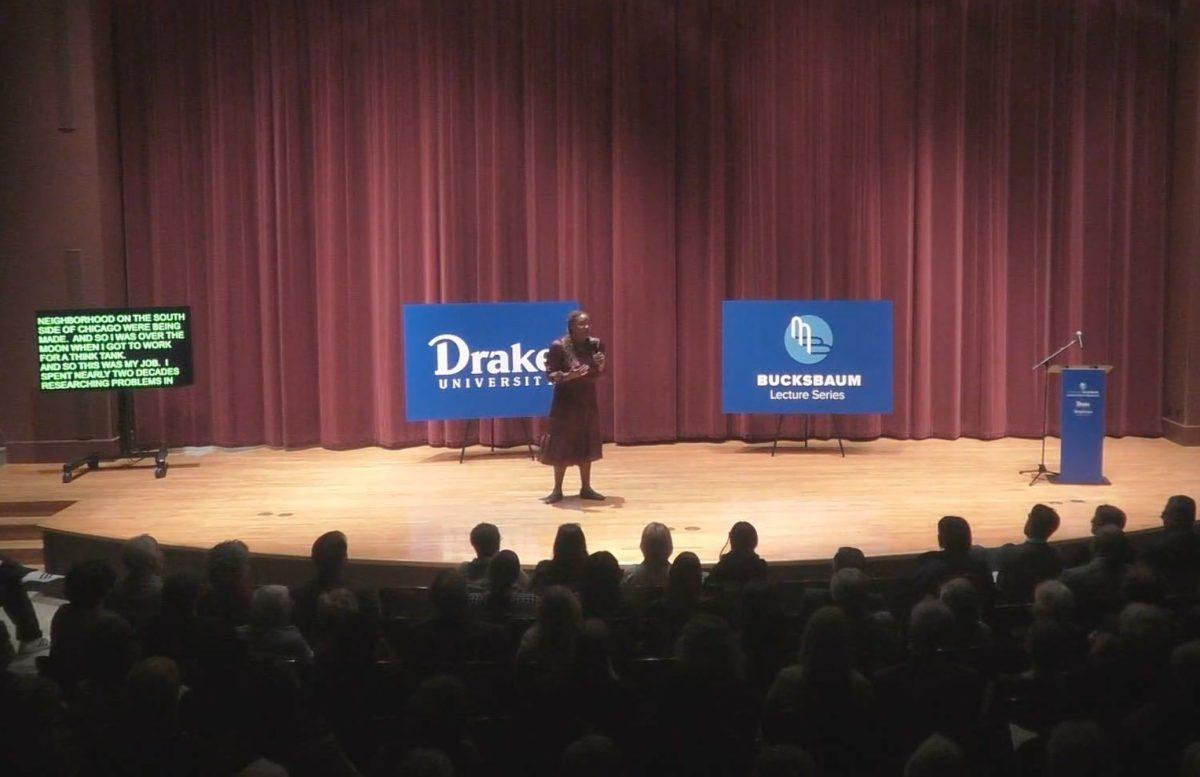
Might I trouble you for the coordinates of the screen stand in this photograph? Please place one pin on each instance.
(779, 425)
(129, 449)
(462, 453)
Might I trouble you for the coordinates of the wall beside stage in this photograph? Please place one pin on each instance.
(1181, 407)
(60, 211)
(296, 174)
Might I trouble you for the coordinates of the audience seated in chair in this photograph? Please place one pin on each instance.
(270, 633)
(1097, 584)
(930, 693)
(485, 540)
(137, 596)
(87, 586)
(823, 704)
(742, 563)
(329, 554)
(936, 757)
(503, 599)
(703, 715)
(1175, 554)
(655, 567)
(566, 566)
(14, 600)
(229, 584)
(1021, 567)
(955, 559)
(34, 737)
(962, 598)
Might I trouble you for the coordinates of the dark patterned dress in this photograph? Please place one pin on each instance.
(574, 435)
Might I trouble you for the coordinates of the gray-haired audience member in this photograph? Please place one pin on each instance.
(592, 756)
(137, 597)
(655, 568)
(963, 600)
(937, 756)
(270, 633)
(1053, 600)
(230, 584)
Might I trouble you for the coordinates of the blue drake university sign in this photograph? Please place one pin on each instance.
(807, 357)
(479, 360)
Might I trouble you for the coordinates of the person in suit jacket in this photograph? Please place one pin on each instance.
(1022, 567)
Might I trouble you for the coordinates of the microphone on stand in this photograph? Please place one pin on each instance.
(1079, 338)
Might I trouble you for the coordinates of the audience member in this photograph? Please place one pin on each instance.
(962, 598)
(1054, 601)
(655, 567)
(928, 693)
(955, 559)
(1022, 567)
(14, 600)
(592, 756)
(822, 704)
(566, 566)
(35, 738)
(329, 554)
(1077, 748)
(229, 584)
(270, 633)
(742, 563)
(550, 642)
(137, 596)
(703, 714)
(936, 757)
(504, 600)
(1097, 584)
(1175, 554)
(873, 638)
(600, 589)
(87, 586)
(485, 540)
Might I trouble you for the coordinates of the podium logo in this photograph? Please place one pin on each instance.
(808, 339)
(1083, 387)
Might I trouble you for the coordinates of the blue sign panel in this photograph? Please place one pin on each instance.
(807, 357)
(1082, 431)
(479, 360)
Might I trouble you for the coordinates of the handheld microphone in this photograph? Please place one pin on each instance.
(1079, 338)
(592, 344)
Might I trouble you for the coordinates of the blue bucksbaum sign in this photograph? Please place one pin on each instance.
(483, 360)
(807, 357)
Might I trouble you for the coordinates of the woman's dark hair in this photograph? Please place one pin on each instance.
(449, 595)
(503, 572)
(601, 587)
(570, 547)
(825, 652)
(684, 579)
(743, 538)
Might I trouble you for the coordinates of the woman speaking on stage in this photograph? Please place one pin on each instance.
(572, 365)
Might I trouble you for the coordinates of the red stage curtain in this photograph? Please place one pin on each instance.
(297, 170)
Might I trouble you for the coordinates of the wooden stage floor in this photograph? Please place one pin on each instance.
(417, 505)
